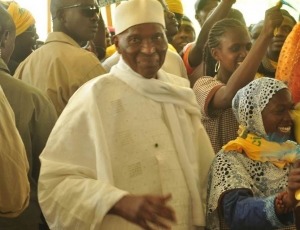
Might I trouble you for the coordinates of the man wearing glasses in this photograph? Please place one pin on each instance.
(125, 153)
(61, 66)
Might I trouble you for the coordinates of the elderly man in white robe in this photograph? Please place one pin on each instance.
(129, 151)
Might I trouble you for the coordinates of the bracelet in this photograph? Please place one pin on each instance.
(279, 202)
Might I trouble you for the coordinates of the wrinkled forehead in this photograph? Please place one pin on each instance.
(145, 29)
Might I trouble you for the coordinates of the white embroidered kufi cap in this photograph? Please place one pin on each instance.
(135, 12)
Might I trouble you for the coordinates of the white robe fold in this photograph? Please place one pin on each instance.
(120, 134)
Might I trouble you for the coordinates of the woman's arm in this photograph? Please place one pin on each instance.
(245, 73)
(243, 211)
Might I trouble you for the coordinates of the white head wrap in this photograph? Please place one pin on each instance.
(250, 101)
(135, 12)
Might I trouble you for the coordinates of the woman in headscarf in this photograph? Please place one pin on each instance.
(254, 178)
(26, 35)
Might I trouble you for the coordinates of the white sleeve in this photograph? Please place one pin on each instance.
(76, 185)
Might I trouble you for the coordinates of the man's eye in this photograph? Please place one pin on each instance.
(158, 38)
(134, 40)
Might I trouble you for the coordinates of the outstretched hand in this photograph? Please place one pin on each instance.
(146, 209)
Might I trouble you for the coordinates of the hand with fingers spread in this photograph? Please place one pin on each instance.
(146, 209)
(273, 19)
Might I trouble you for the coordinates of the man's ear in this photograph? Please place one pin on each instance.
(4, 38)
(215, 53)
(60, 14)
(116, 42)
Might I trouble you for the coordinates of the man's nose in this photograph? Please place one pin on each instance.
(147, 47)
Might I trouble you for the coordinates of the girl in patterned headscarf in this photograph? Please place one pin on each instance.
(252, 184)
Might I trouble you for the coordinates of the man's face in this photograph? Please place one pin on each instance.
(277, 42)
(25, 43)
(81, 22)
(143, 47)
(170, 20)
(202, 14)
(185, 35)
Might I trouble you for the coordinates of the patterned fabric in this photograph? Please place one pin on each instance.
(250, 101)
(288, 69)
(221, 125)
(259, 149)
(233, 170)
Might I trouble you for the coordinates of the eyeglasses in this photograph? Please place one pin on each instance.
(87, 10)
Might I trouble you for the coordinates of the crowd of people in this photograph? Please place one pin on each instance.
(147, 124)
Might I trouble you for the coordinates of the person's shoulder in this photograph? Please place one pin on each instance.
(99, 84)
(111, 61)
(23, 92)
(13, 84)
(206, 81)
(227, 157)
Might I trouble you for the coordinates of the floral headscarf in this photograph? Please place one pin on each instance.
(250, 101)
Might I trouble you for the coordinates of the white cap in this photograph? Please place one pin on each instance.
(135, 12)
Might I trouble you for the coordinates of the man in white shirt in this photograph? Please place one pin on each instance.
(129, 151)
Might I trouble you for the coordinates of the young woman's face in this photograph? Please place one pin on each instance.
(233, 49)
(276, 116)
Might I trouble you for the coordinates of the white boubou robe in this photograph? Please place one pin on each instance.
(123, 134)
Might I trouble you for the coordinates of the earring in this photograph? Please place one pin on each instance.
(217, 66)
